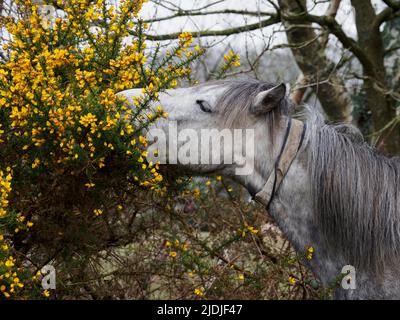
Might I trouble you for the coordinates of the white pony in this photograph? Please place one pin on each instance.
(323, 184)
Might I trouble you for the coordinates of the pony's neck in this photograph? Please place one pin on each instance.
(292, 206)
(293, 210)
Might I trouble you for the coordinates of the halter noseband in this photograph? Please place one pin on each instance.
(292, 142)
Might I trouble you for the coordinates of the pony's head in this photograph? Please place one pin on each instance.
(239, 118)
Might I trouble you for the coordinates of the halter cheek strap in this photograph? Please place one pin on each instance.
(292, 142)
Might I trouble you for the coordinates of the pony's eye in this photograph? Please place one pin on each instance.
(203, 106)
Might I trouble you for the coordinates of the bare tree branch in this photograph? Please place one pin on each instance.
(327, 22)
(226, 32)
(392, 4)
(334, 27)
(186, 13)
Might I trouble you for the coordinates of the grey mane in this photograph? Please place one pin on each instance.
(356, 195)
(235, 102)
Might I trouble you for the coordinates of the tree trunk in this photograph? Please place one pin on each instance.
(310, 56)
(379, 104)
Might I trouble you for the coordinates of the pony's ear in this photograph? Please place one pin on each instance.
(269, 99)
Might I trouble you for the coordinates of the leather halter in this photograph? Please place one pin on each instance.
(292, 142)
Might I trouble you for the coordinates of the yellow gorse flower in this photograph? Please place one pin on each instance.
(232, 58)
(173, 254)
(292, 280)
(88, 120)
(62, 115)
(5, 189)
(199, 292)
(186, 38)
(10, 262)
(89, 185)
(310, 252)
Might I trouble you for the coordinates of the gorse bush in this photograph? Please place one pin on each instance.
(70, 151)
